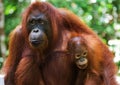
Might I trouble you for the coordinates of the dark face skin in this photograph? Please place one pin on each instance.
(39, 29)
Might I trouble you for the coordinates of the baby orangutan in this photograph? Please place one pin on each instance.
(77, 48)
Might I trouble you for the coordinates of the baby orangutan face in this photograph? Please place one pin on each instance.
(81, 60)
(79, 51)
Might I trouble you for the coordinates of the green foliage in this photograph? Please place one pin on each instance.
(101, 16)
(1, 62)
(98, 14)
(13, 12)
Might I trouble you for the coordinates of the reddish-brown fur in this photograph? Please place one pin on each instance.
(54, 65)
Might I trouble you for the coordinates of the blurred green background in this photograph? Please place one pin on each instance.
(103, 16)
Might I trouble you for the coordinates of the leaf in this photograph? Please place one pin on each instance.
(10, 9)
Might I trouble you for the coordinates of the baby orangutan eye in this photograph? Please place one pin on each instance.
(77, 56)
(84, 53)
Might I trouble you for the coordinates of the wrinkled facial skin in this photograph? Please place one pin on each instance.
(39, 29)
(79, 51)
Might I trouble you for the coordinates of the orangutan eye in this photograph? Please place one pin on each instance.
(85, 53)
(32, 22)
(41, 22)
(77, 56)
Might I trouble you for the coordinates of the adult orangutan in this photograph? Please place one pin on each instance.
(40, 51)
